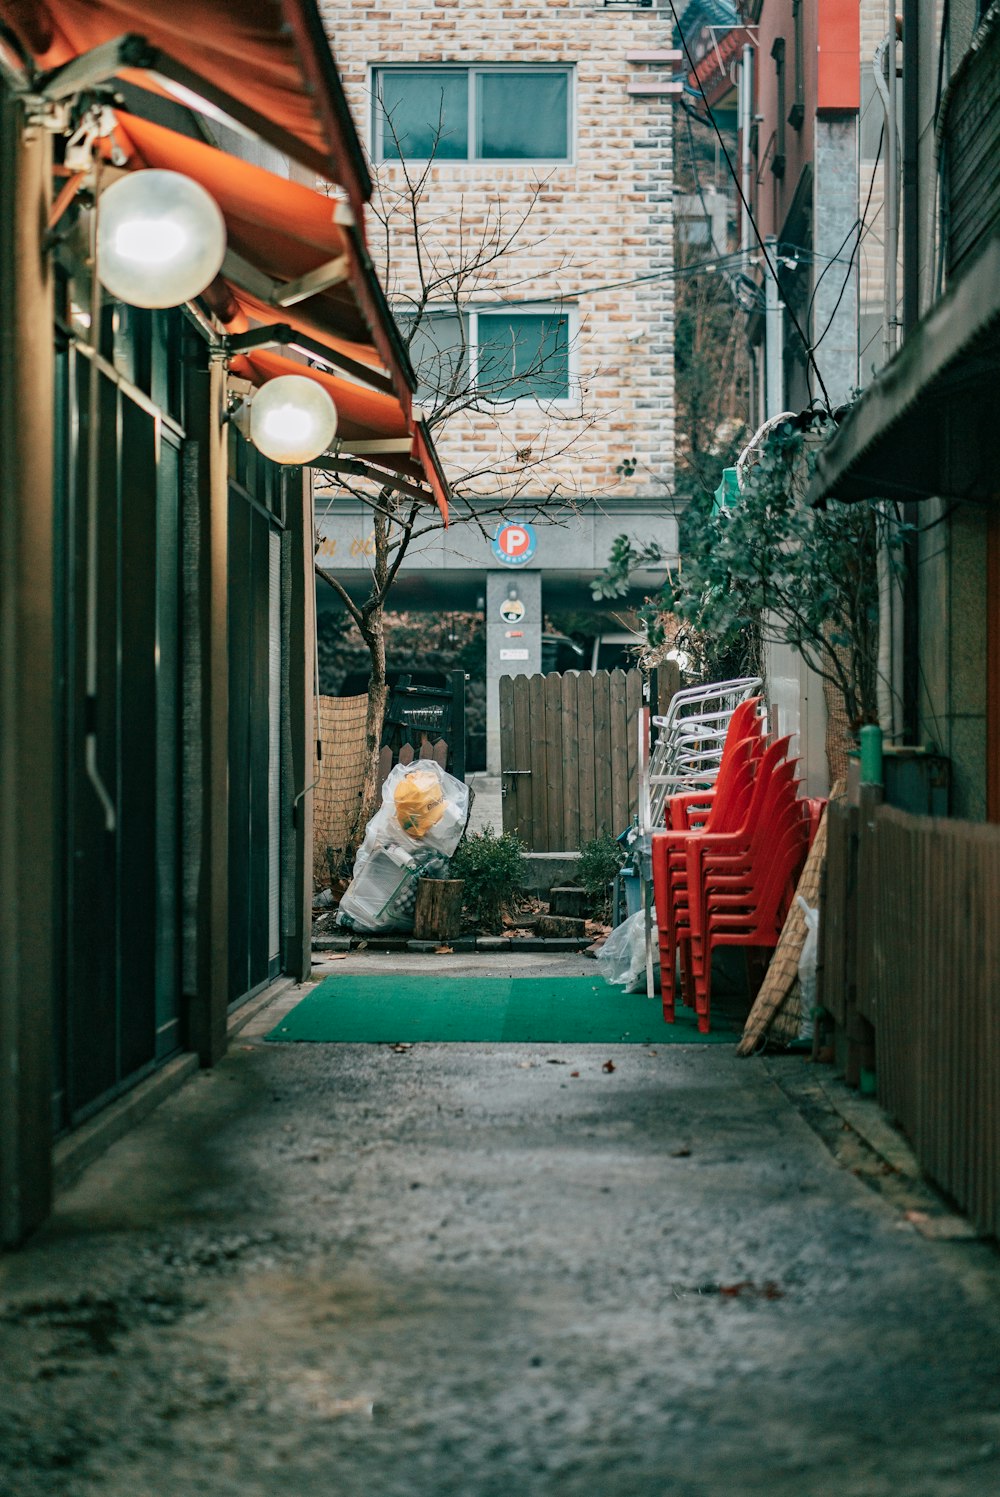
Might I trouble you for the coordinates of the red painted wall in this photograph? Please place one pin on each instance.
(838, 54)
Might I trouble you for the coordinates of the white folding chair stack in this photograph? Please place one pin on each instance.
(688, 748)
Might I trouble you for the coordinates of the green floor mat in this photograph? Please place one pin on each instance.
(506, 1010)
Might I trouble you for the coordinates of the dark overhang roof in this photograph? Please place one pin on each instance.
(929, 424)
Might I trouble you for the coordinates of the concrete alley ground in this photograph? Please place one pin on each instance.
(467, 1270)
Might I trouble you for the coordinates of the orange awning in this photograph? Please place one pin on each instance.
(363, 415)
(369, 423)
(281, 229)
(266, 64)
(296, 261)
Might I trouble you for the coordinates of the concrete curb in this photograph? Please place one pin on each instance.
(249, 1010)
(77, 1150)
(72, 1154)
(463, 944)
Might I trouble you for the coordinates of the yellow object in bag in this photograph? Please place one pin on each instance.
(419, 800)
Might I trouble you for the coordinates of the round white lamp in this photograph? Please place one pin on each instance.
(161, 239)
(292, 419)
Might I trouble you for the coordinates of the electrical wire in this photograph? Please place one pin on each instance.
(731, 261)
(746, 207)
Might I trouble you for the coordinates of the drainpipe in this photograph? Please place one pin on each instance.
(911, 183)
(773, 340)
(888, 92)
(746, 125)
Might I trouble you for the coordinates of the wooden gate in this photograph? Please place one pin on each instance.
(569, 754)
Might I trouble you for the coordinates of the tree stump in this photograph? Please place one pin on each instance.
(438, 914)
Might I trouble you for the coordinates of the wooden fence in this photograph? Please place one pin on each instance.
(569, 755)
(911, 963)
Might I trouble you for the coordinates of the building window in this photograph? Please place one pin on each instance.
(502, 353)
(472, 114)
(797, 113)
(778, 159)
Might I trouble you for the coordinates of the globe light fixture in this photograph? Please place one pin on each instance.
(161, 239)
(292, 419)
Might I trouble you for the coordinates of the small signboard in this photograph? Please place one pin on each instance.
(513, 654)
(512, 610)
(514, 543)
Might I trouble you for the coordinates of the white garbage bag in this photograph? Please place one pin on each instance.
(411, 836)
(624, 953)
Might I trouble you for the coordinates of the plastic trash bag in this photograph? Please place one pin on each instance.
(623, 954)
(411, 836)
(419, 802)
(807, 968)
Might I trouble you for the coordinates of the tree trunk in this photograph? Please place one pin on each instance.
(438, 914)
(378, 693)
(372, 628)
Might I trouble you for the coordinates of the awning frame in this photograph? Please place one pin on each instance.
(282, 335)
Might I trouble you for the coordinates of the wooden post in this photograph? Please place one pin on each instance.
(29, 783)
(438, 914)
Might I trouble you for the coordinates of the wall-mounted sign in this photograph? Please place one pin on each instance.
(512, 610)
(514, 543)
(513, 654)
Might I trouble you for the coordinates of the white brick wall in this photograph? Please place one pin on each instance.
(605, 218)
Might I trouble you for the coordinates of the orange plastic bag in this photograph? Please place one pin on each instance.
(419, 800)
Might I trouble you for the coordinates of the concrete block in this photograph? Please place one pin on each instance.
(548, 926)
(567, 899)
(544, 870)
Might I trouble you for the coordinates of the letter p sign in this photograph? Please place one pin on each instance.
(514, 543)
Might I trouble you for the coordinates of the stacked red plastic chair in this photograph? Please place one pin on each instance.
(730, 880)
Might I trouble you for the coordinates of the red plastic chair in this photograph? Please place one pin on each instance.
(754, 916)
(727, 807)
(731, 854)
(682, 866)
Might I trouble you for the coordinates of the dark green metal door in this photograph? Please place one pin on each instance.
(120, 585)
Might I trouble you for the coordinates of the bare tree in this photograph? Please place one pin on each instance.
(432, 279)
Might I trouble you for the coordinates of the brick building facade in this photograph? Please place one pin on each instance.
(559, 116)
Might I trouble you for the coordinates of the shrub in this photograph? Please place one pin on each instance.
(491, 867)
(600, 861)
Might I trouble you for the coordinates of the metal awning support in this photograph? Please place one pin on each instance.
(280, 335)
(927, 425)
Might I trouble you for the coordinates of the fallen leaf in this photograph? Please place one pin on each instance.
(524, 1065)
(609, 1066)
(444, 950)
(400, 1049)
(681, 1154)
(337, 956)
(574, 1073)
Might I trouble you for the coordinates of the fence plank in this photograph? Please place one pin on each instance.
(539, 791)
(617, 812)
(521, 788)
(554, 779)
(603, 812)
(589, 770)
(577, 711)
(633, 706)
(508, 752)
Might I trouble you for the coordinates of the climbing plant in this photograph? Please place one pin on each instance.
(806, 576)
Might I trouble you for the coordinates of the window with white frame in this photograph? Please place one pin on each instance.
(472, 114)
(501, 353)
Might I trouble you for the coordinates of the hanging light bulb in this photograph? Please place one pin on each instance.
(292, 419)
(161, 239)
